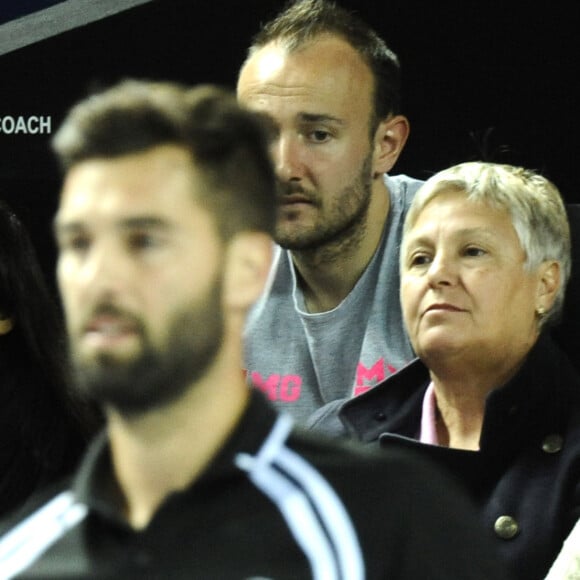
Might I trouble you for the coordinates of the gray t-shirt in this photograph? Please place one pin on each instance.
(305, 362)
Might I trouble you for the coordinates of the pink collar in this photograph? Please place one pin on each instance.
(428, 433)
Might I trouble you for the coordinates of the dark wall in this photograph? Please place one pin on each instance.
(481, 80)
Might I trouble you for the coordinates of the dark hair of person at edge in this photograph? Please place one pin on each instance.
(44, 428)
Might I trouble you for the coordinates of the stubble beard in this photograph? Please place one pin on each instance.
(342, 227)
(156, 376)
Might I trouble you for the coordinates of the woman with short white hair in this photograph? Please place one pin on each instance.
(485, 259)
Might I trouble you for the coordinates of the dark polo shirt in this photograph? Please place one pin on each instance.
(275, 503)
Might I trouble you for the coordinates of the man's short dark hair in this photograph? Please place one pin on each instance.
(228, 144)
(302, 21)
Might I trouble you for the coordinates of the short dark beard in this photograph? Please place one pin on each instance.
(158, 377)
(346, 231)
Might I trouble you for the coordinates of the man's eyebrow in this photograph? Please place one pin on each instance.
(144, 222)
(271, 124)
(61, 227)
(319, 118)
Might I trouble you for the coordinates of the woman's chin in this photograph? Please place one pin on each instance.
(438, 345)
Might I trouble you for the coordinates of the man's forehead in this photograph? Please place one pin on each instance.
(158, 175)
(292, 86)
(324, 56)
(121, 192)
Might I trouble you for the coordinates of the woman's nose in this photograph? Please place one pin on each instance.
(442, 271)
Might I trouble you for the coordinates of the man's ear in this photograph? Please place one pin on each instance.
(248, 259)
(549, 284)
(6, 324)
(389, 140)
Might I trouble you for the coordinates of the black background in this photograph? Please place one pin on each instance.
(481, 80)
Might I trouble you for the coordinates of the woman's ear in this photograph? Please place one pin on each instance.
(248, 259)
(549, 284)
(389, 141)
(6, 324)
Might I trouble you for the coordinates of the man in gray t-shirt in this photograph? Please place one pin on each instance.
(329, 325)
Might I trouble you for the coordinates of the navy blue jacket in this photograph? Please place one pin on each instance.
(526, 476)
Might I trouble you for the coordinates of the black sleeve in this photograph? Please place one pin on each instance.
(416, 522)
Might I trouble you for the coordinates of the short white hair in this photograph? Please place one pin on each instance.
(534, 203)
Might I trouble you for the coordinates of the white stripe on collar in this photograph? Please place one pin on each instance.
(311, 508)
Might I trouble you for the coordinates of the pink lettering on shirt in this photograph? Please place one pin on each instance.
(290, 388)
(269, 386)
(285, 388)
(372, 375)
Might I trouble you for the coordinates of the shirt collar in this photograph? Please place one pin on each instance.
(95, 485)
(428, 431)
